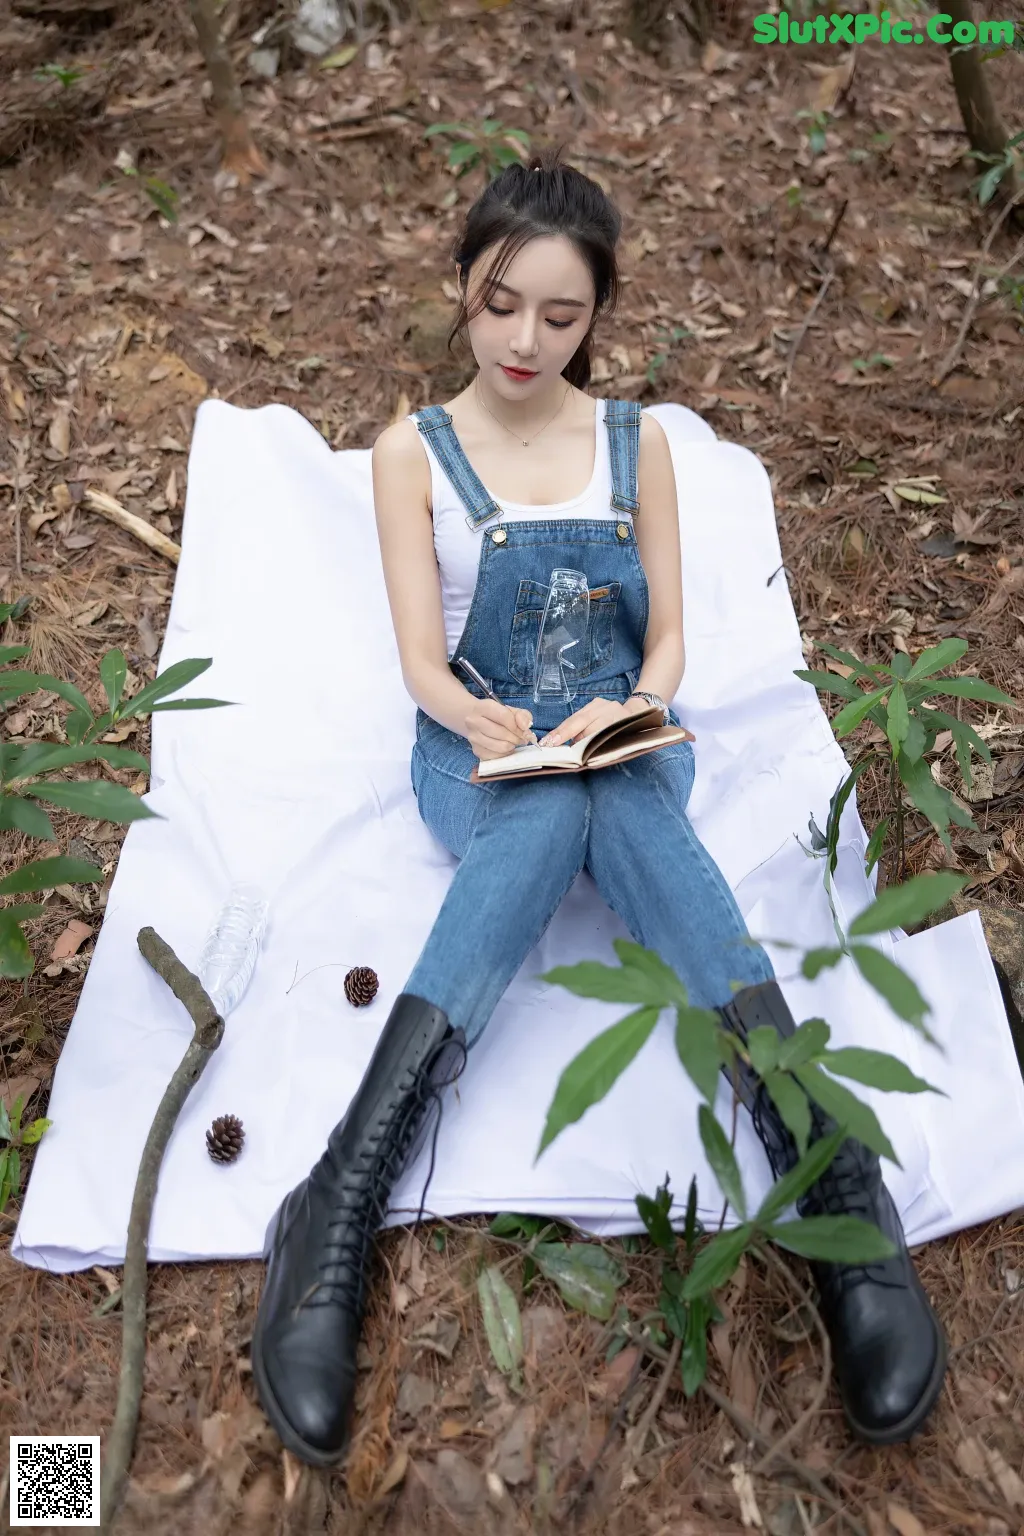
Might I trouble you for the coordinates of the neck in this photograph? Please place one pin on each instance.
(526, 416)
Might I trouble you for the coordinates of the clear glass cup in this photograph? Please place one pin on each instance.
(563, 630)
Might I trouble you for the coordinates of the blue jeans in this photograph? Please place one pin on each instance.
(522, 844)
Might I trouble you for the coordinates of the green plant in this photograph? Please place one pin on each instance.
(1013, 288)
(998, 166)
(665, 341)
(25, 770)
(10, 1156)
(67, 74)
(163, 197)
(817, 129)
(895, 701)
(796, 1073)
(876, 360)
(491, 145)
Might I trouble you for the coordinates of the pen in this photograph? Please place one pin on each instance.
(467, 666)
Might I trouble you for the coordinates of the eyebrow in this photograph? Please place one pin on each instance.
(576, 303)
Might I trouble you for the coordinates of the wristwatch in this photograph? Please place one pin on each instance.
(652, 698)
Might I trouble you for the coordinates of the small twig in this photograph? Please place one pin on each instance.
(580, 1492)
(802, 332)
(636, 1440)
(835, 226)
(972, 303)
(751, 1432)
(821, 1391)
(107, 506)
(209, 1030)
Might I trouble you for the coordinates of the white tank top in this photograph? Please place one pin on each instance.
(457, 546)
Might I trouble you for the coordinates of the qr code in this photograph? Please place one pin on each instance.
(55, 1480)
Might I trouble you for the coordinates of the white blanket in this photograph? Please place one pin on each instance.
(304, 787)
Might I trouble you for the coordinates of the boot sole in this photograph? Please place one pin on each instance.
(311, 1454)
(929, 1397)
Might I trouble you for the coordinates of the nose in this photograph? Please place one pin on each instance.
(525, 344)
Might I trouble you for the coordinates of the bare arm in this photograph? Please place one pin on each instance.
(401, 491)
(657, 537)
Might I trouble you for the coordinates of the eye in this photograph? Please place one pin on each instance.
(559, 325)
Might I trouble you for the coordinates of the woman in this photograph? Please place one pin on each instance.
(466, 573)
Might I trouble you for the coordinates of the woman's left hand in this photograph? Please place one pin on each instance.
(592, 717)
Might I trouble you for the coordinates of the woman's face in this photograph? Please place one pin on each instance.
(536, 326)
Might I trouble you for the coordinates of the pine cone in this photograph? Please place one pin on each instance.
(224, 1138)
(361, 985)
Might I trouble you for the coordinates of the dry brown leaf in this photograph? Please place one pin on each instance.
(88, 615)
(1010, 1485)
(395, 1472)
(60, 433)
(71, 940)
(904, 1522)
(171, 490)
(611, 1381)
(22, 1087)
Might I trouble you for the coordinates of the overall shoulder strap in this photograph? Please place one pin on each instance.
(622, 419)
(435, 426)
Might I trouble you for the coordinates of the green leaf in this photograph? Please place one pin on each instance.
(586, 1275)
(937, 657)
(177, 676)
(900, 665)
(851, 716)
(41, 757)
(817, 960)
(44, 874)
(791, 1103)
(670, 1301)
(666, 985)
(915, 742)
(875, 1069)
(622, 984)
(502, 1322)
(722, 1160)
(591, 1074)
(846, 1110)
(873, 851)
(847, 658)
(764, 1044)
(835, 1239)
(32, 1133)
(897, 717)
(28, 682)
(697, 1048)
(715, 1263)
(95, 797)
(191, 704)
(902, 906)
(5, 1122)
(899, 990)
(787, 1190)
(113, 671)
(655, 1216)
(15, 955)
(509, 1224)
(974, 688)
(806, 1041)
(934, 802)
(831, 682)
(9, 653)
(693, 1360)
(20, 815)
(836, 806)
(692, 1227)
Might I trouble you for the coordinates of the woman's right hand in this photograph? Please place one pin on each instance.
(495, 730)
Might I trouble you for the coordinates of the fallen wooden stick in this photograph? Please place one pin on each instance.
(209, 1031)
(99, 501)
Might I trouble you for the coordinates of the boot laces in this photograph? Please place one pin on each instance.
(350, 1233)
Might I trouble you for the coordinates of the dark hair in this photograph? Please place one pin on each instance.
(542, 197)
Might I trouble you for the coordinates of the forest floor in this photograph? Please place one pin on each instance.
(328, 286)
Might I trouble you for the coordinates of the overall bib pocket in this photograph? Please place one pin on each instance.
(526, 620)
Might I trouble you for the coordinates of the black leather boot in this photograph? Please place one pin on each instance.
(888, 1346)
(319, 1241)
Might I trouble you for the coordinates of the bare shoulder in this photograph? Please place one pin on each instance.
(400, 461)
(652, 434)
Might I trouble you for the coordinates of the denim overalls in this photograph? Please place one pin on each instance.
(521, 844)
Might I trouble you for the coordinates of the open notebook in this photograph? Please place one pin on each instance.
(615, 743)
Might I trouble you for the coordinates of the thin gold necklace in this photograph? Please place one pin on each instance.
(525, 441)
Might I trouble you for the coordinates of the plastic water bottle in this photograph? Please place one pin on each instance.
(232, 945)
